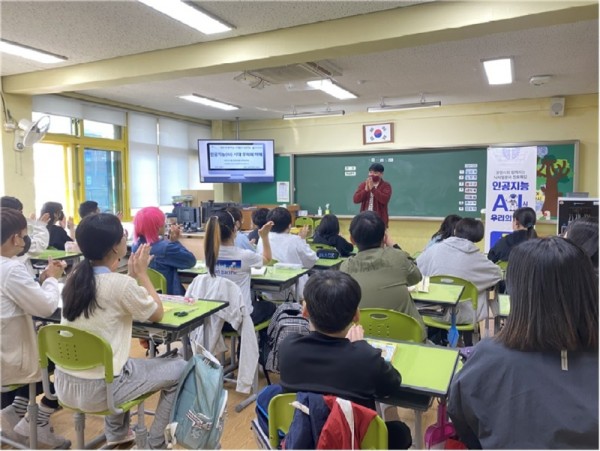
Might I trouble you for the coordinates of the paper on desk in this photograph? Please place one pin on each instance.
(422, 286)
(258, 271)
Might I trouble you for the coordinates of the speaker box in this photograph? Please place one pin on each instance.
(557, 106)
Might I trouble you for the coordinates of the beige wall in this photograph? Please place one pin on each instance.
(455, 125)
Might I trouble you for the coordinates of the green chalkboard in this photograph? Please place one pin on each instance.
(266, 193)
(425, 182)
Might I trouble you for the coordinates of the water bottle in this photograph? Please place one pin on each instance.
(319, 211)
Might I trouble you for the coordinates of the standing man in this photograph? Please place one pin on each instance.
(374, 193)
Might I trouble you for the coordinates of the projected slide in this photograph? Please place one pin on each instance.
(236, 157)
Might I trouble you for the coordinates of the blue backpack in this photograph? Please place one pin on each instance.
(199, 412)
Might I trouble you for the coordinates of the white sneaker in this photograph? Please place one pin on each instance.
(130, 437)
(45, 435)
(8, 421)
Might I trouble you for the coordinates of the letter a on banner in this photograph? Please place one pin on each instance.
(510, 184)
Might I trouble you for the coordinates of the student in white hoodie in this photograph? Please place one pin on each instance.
(459, 257)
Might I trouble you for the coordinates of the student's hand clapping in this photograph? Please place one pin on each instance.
(264, 230)
(70, 223)
(44, 218)
(174, 232)
(303, 233)
(139, 261)
(356, 333)
(55, 268)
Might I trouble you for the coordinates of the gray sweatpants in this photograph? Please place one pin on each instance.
(139, 376)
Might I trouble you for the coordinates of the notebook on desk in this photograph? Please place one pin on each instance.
(258, 271)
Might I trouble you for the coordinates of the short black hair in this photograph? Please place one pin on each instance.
(367, 229)
(376, 167)
(332, 298)
(12, 221)
(87, 208)
(470, 229)
(329, 226)
(553, 298)
(11, 202)
(281, 218)
(259, 217)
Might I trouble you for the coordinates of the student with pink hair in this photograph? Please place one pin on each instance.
(169, 255)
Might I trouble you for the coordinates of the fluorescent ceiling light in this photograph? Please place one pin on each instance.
(30, 53)
(188, 15)
(209, 102)
(308, 115)
(499, 71)
(329, 87)
(404, 106)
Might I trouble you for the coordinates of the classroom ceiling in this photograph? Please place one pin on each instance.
(119, 51)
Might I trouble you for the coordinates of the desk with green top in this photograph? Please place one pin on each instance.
(56, 254)
(171, 327)
(327, 263)
(442, 294)
(274, 280)
(501, 311)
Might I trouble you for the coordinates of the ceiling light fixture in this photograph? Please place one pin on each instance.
(329, 87)
(403, 106)
(209, 102)
(312, 114)
(498, 71)
(30, 53)
(188, 15)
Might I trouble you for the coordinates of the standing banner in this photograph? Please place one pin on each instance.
(510, 184)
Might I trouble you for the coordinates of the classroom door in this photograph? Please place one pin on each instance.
(102, 178)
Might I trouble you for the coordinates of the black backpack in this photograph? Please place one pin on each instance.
(286, 320)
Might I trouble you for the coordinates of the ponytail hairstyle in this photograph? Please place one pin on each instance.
(526, 217)
(219, 227)
(147, 223)
(584, 233)
(55, 210)
(96, 236)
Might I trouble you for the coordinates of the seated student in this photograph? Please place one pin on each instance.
(543, 364)
(328, 233)
(105, 303)
(288, 248)
(446, 230)
(169, 254)
(58, 235)
(523, 229)
(259, 219)
(234, 263)
(459, 257)
(20, 298)
(584, 233)
(241, 239)
(37, 230)
(383, 270)
(87, 208)
(334, 359)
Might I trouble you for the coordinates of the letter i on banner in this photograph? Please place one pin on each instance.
(510, 184)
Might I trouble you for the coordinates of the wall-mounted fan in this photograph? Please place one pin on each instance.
(27, 133)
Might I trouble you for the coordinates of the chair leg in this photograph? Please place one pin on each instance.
(32, 412)
(79, 429)
(266, 373)
(419, 429)
(141, 433)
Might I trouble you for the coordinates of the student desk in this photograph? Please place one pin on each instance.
(327, 263)
(274, 280)
(171, 328)
(69, 257)
(445, 295)
(501, 310)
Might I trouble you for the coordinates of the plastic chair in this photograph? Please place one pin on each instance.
(234, 336)
(469, 293)
(159, 282)
(317, 222)
(384, 323)
(281, 414)
(76, 350)
(303, 220)
(32, 410)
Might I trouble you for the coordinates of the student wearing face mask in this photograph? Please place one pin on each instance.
(374, 193)
(58, 235)
(37, 232)
(20, 299)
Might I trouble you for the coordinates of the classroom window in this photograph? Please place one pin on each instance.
(102, 178)
(58, 124)
(94, 129)
(50, 176)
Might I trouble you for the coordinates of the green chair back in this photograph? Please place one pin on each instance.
(503, 265)
(159, 282)
(317, 222)
(281, 414)
(469, 292)
(303, 220)
(384, 323)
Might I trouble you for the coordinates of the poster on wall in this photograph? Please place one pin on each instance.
(511, 184)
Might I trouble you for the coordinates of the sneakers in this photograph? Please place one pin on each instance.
(8, 420)
(130, 437)
(45, 435)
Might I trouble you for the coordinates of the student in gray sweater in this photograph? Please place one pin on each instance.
(535, 385)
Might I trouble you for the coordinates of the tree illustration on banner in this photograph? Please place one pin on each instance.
(554, 171)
